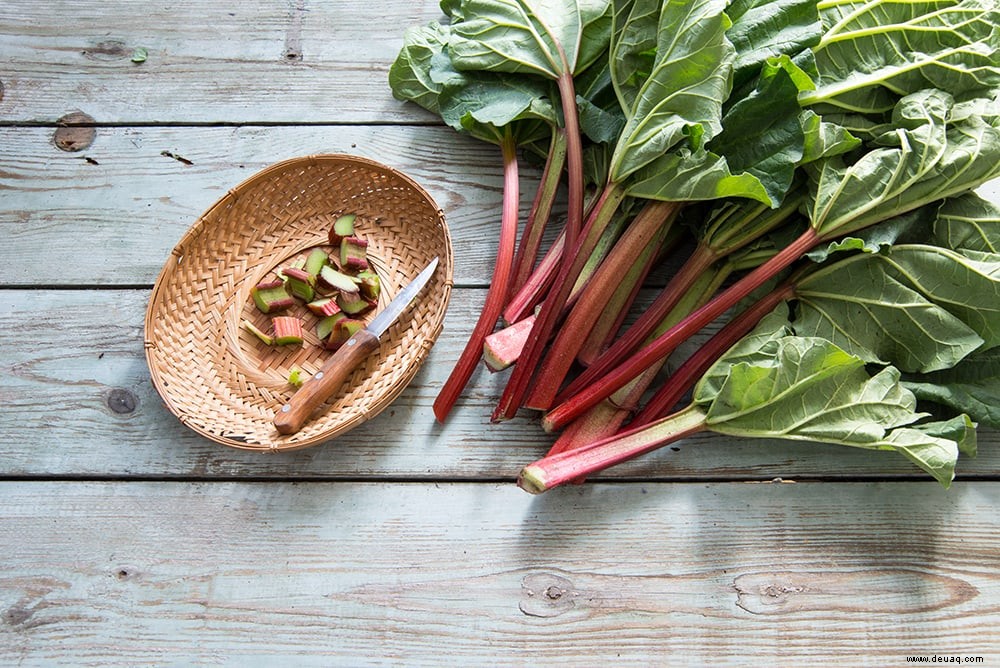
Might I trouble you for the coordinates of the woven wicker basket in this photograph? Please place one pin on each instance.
(224, 383)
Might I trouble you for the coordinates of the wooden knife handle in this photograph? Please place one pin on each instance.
(329, 378)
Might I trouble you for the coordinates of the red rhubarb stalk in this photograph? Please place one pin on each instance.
(574, 153)
(497, 292)
(541, 210)
(532, 292)
(633, 337)
(607, 417)
(647, 227)
(666, 343)
(564, 467)
(618, 306)
(604, 332)
(733, 227)
(551, 309)
(694, 367)
(503, 347)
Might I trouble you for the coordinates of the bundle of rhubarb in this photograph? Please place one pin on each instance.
(809, 168)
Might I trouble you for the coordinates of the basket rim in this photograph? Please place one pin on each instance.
(197, 228)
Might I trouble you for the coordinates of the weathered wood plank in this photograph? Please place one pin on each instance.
(73, 368)
(369, 574)
(126, 212)
(260, 61)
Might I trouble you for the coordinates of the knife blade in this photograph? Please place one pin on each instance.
(294, 414)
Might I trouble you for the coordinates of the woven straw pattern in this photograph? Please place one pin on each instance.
(223, 382)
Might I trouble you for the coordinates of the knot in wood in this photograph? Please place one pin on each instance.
(546, 595)
(121, 401)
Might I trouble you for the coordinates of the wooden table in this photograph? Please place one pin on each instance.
(129, 539)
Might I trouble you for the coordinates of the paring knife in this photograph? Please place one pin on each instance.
(335, 370)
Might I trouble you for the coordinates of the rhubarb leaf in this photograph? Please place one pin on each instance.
(681, 99)
(763, 133)
(808, 389)
(960, 429)
(911, 227)
(823, 138)
(754, 157)
(771, 327)
(477, 103)
(935, 455)
(875, 51)
(600, 125)
(485, 104)
(968, 222)
(937, 150)
(411, 73)
(633, 47)
(684, 175)
(864, 305)
(765, 29)
(530, 36)
(965, 283)
(971, 386)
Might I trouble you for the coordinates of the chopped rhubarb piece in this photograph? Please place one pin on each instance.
(287, 330)
(316, 260)
(301, 283)
(343, 330)
(325, 325)
(324, 306)
(347, 328)
(353, 303)
(295, 377)
(342, 227)
(250, 327)
(371, 285)
(353, 254)
(502, 347)
(337, 280)
(271, 296)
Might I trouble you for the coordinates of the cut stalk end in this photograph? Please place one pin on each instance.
(532, 479)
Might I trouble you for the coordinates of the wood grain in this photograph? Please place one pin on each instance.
(73, 367)
(252, 62)
(127, 211)
(365, 574)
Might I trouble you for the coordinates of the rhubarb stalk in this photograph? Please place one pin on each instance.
(532, 291)
(497, 292)
(668, 341)
(632, 338)
(607, 417)
(541, 210)
(730, 229)
(695, 366)
(564, 467)
(647, 228)
(551, 309)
